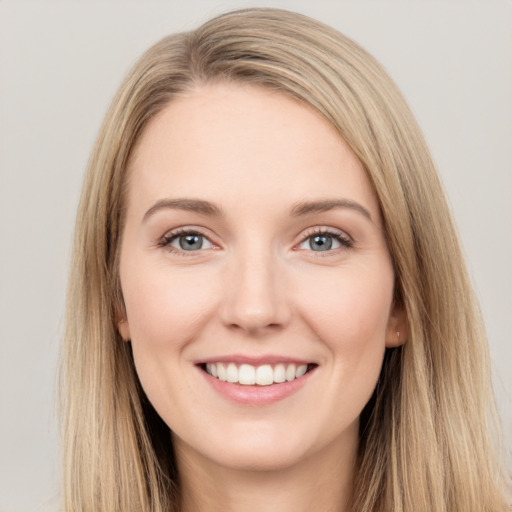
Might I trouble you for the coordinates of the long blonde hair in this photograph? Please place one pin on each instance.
(426, 434)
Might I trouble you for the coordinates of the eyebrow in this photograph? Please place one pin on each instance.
(308, 207)
(298, 210)
(191, 205)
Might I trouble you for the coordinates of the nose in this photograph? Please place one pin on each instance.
(255, 300)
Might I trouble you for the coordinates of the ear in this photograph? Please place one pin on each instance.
(123, 326)
(397, 330)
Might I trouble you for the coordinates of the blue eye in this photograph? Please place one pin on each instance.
(320, 243)
(188, 241)
(325, 241)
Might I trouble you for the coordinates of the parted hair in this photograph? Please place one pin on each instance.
(429, 435)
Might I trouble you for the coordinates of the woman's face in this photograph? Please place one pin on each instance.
(253, 252)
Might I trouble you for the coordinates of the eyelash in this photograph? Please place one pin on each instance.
(167, 239)
(345, 241)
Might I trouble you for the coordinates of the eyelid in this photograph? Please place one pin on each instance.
(341, 236)
(325, 230)
(174, 234)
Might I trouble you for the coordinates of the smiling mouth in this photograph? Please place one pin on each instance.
(262, 375)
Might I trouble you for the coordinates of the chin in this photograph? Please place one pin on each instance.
(256, 446)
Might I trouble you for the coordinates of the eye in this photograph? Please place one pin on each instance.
(189, 241)
(322, 241)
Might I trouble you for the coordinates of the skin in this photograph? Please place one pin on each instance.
(257, 287)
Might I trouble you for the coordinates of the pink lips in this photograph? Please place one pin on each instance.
(255, 395)
(255, 361)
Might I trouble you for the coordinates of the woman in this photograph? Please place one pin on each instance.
(268, 307)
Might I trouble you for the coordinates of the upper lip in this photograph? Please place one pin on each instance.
(254, 360)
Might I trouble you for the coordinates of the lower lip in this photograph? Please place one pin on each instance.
(256, 395)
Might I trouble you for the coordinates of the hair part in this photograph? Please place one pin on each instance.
(426, 434)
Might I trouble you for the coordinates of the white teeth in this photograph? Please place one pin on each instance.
(301, 370)
(221, 371)
(263, 375)
(279, 373)
(232, 373)
(290, 372)
(212, 369)
(247, 374)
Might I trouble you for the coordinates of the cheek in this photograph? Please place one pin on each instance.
(164, 306)
(166, 310)
(349, 309)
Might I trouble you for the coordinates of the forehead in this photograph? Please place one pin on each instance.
(227, 141)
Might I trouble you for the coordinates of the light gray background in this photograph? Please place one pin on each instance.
(60, 64)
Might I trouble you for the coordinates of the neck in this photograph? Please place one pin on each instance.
(321, 482)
